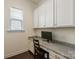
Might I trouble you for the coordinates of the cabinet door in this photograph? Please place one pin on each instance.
(42, 15)
(49, 13)
(53, 55)
(59, 57)
(65, 12)
(35, 18)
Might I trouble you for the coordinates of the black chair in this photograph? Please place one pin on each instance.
(39, 53)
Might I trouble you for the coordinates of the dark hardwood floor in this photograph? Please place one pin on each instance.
(25, 55)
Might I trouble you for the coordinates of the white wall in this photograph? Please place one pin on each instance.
(60, 34)
(17, 42)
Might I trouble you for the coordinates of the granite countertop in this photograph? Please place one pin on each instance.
(60, 49)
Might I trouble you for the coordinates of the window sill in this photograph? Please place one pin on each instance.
(16, 30)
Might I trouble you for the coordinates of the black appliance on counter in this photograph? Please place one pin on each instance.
(46, 35)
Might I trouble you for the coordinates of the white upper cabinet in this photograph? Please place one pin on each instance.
(55, 13)
(42, 14)
(35, 18)
(65, 13)
(49, 14)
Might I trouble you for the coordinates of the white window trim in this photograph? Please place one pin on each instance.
(9, 28)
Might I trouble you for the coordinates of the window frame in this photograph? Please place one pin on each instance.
(14, 19)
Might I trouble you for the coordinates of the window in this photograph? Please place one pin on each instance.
(16, 20)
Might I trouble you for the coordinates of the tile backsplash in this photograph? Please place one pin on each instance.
(60, 34)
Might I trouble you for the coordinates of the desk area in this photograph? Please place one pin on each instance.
(56, 50)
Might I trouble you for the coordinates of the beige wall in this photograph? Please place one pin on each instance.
(61, 34)
(17, 42)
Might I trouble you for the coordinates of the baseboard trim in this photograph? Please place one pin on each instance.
(30, 52)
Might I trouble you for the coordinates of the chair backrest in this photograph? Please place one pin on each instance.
(38, 50)
(36, 43)
(36, 46)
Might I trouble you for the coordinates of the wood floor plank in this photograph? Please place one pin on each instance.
(25, 55)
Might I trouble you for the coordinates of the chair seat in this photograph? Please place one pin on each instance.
(40, 51)
(41, 54)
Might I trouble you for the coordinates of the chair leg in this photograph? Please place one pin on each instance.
(47, 55)
(34, 57)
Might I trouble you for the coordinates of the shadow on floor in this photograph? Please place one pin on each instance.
(25, 55)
